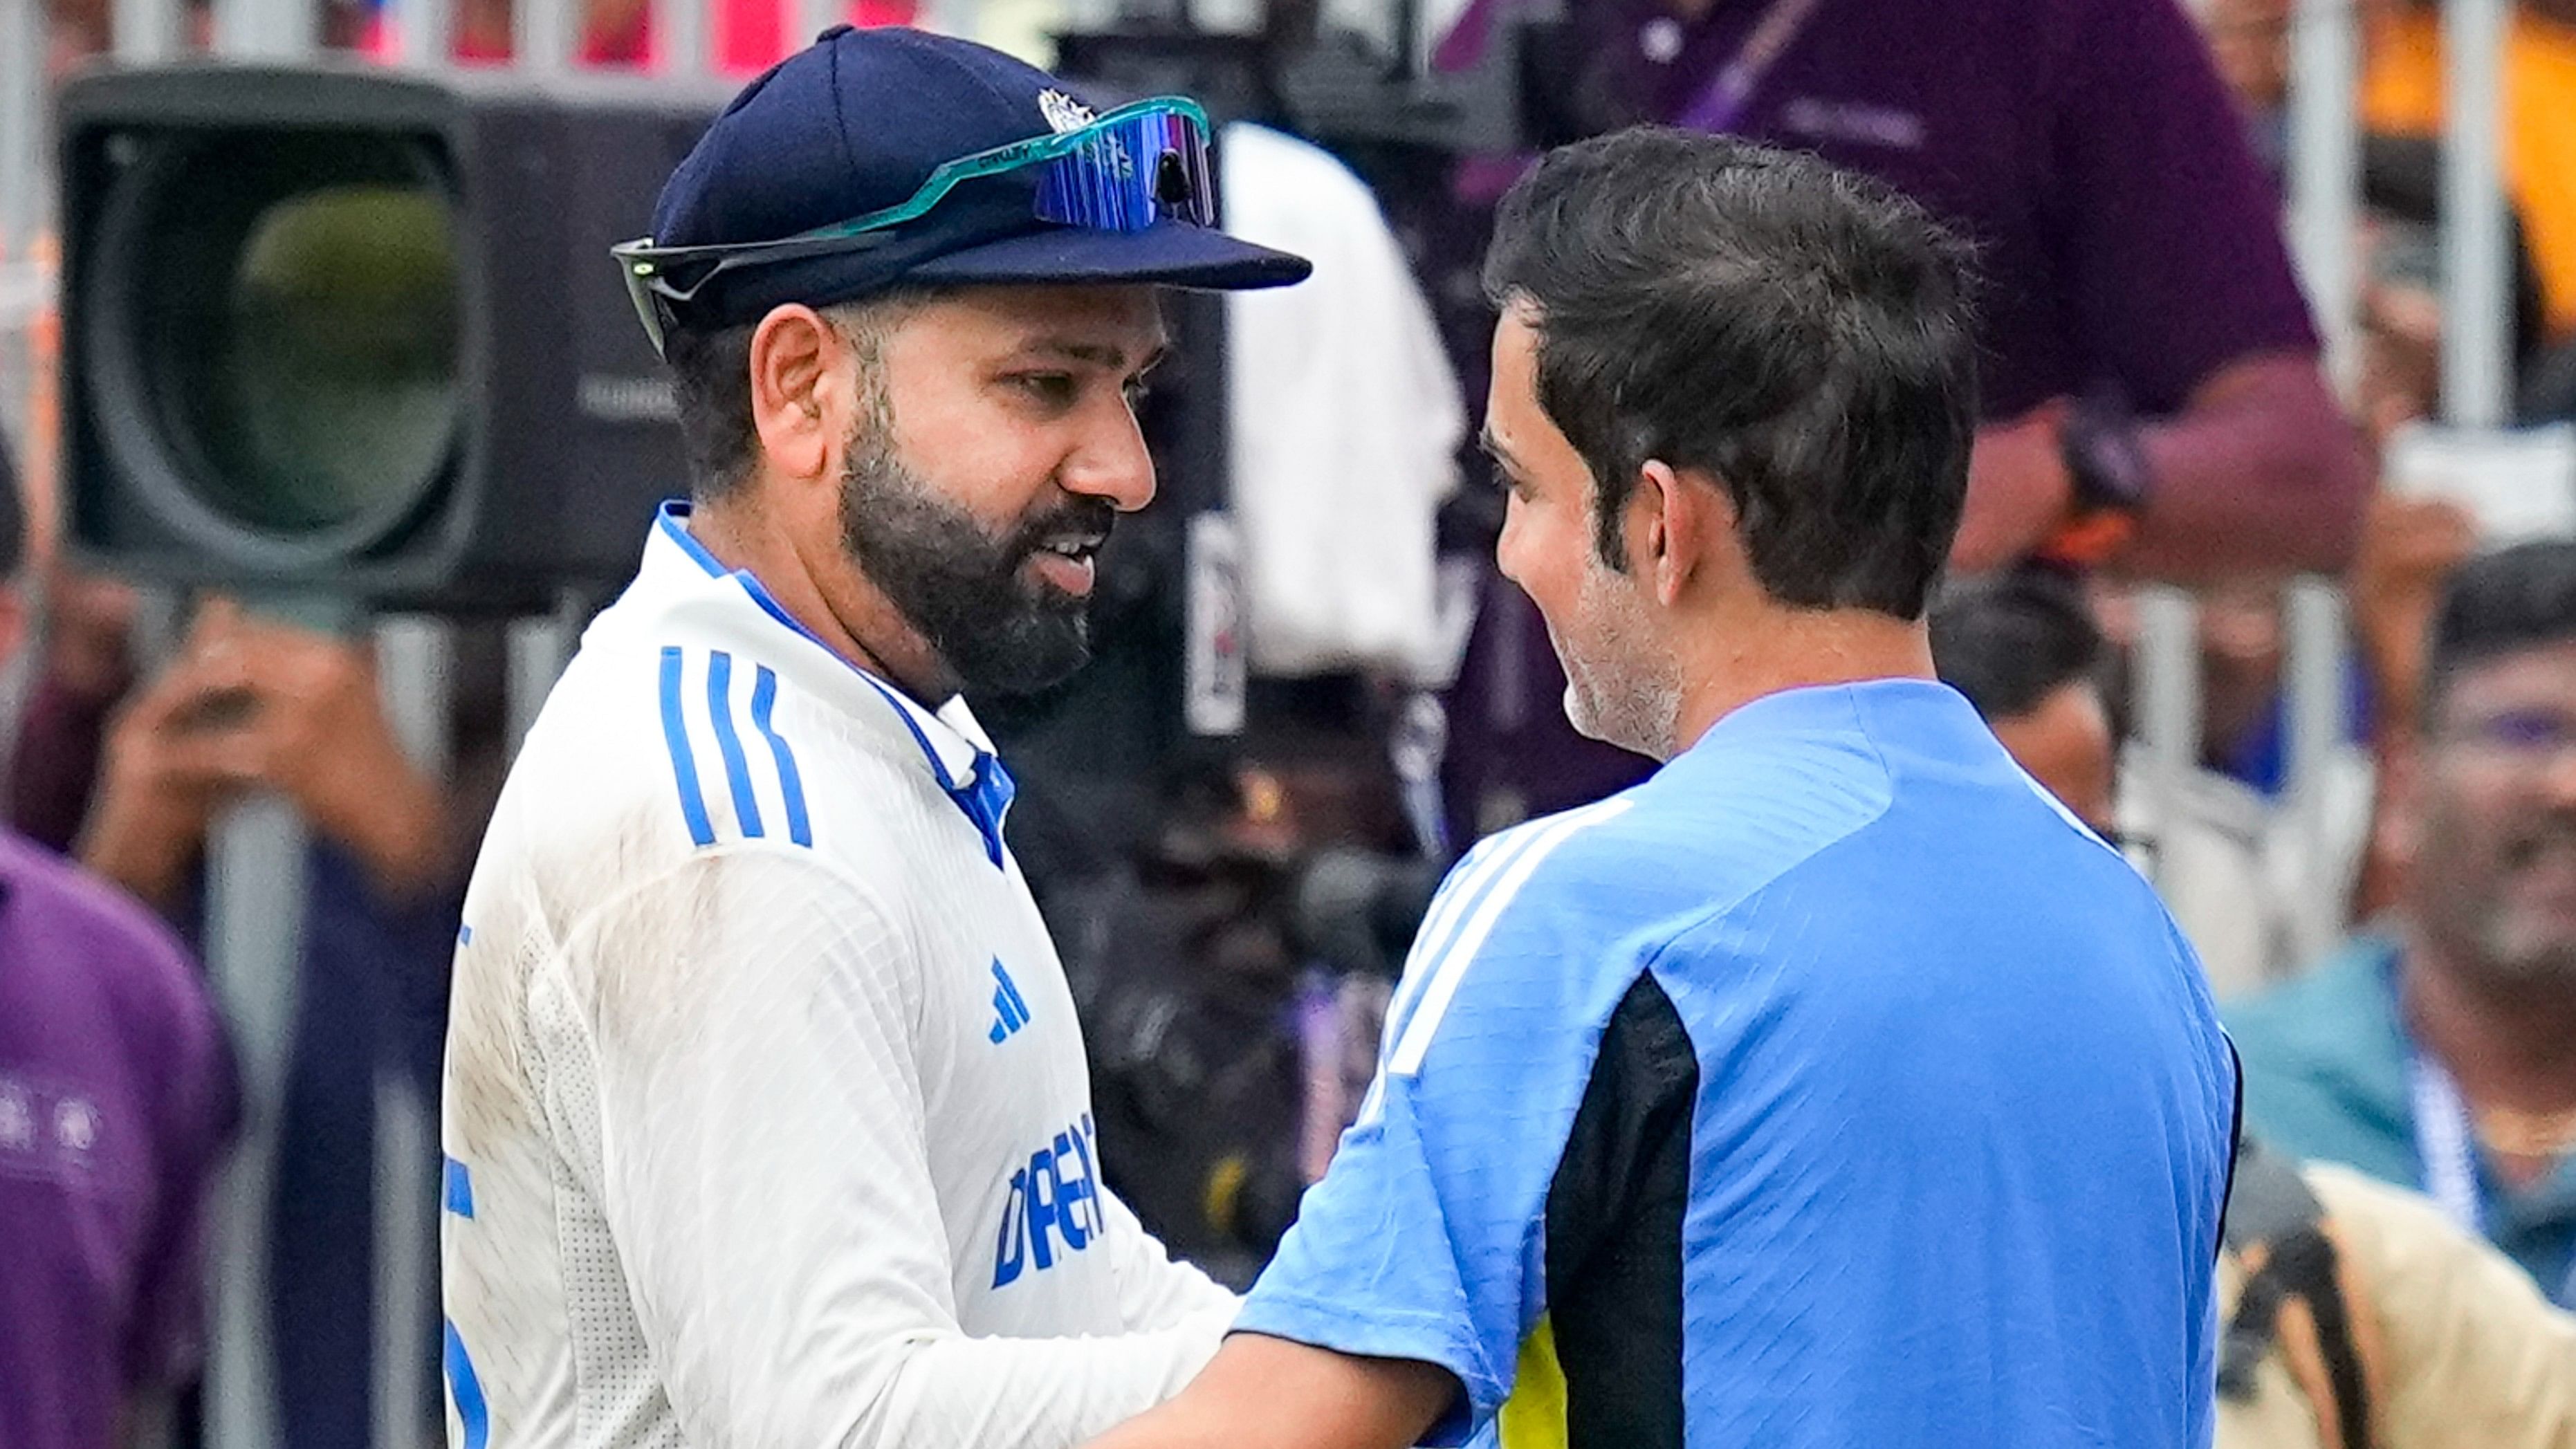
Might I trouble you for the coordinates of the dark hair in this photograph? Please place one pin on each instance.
(711, 385)
(2517, 598)
(13, 515)
(1802, 334)
(2011, 640)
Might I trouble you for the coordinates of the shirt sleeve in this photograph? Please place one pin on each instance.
(763, 1169)
(1425, 1239)
(2470, 1353)
(1155, 1291)
(2172, 236)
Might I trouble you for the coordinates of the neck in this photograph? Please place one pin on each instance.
(2507, 1046)
(1781, 649)
(864, 629)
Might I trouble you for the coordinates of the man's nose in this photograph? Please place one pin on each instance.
(1113, 463)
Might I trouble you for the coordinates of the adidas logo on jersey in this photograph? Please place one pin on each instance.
(1010, 1009)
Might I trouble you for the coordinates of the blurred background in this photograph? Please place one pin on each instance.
(328, 424)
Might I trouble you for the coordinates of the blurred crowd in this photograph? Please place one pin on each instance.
(2401, 1254)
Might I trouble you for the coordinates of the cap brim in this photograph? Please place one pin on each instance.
(1168, 253)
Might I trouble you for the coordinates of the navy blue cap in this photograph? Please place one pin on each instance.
(856, 123)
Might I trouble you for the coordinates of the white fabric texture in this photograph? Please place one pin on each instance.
(1346, 420)
(767, 1142)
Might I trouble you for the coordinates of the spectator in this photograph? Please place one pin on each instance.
(2439, 1049)
(116, 1097)
(2402, 89)
(2025, 652)
(2439, 1340)
(2144, 338)
(137, 775)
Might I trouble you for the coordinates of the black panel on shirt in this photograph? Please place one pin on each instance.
(1614, 1231)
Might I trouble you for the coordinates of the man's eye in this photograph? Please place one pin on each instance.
(1056, 389)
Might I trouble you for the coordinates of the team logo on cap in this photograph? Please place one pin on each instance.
(1063, 113)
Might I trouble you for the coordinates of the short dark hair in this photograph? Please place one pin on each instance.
(1803, 334)
(2517, 598)
(2011, 640)
(711, 385)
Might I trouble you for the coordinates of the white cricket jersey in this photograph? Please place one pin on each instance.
(766, 1115)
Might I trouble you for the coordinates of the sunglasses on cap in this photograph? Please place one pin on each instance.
(1123, 171)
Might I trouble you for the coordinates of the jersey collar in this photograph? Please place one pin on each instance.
(953, 744)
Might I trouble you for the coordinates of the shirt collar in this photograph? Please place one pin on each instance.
(953, 743)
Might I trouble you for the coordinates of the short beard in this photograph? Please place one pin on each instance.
(1622, 692)
(962, 588)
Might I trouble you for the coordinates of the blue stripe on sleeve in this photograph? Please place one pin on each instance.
(472, 1414)
(746, 806)
(764, 697)
(460, 1189)
(675, 733)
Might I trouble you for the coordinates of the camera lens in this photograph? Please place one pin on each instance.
(293, 324)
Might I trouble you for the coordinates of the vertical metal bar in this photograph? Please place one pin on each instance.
(950, 17)
(539, 649)
(147, 31)
(2325, 175)
(809, 18)
(2168, 698)
(424, 32)
(2477, 334)
(273, 30)
(414, 671)
(680, 30)
(2315, 667)
(24, 175)
(543, 34)
(255, 905)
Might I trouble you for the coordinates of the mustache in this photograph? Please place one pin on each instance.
(1081, 520)
(2555, 832)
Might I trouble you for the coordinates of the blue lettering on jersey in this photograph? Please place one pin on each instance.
(1054, 1197)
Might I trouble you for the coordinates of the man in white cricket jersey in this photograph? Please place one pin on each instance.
(766, 1115)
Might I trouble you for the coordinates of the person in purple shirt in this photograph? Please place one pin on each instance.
(116, 1100)
(2152, 400)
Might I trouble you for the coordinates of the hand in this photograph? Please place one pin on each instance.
(317, 733)
(2409, 546)
(168, 767)
(89, 620)
(2019, 491)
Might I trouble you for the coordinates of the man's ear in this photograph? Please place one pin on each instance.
(1676, 517)
(799, 384)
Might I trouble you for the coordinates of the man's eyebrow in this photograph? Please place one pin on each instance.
(1097, 354)
(1493, 448)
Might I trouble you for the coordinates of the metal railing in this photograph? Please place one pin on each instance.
(258, 872)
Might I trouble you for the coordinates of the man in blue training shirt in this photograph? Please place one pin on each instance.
(1834, 1087)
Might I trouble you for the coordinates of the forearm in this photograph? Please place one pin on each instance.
(1031, 1393)
(2261, 474)
(1269, 1393)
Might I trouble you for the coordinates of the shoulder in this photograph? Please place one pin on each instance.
(2324, 1015)
(116, 939)
(659, 742)
(129, 957)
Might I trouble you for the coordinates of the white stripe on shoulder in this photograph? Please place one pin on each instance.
(1449, 906)
(1441, 983)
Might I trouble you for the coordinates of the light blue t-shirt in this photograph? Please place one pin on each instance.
(1832, 1088)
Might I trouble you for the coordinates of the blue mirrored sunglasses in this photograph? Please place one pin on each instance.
(1124, 171)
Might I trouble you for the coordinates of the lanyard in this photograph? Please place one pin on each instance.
(1723, 103)
(2446, 1144)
